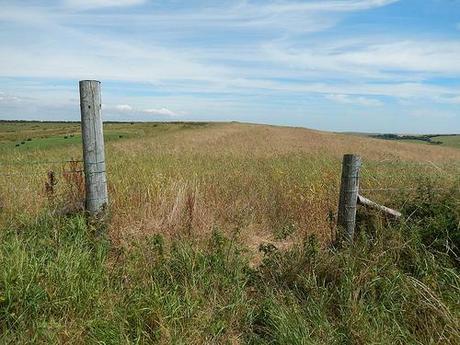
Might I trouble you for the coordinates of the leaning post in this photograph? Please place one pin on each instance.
(348, 200)
(93, 148)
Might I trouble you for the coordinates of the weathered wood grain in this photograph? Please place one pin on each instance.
(349, 188)
(93, 147)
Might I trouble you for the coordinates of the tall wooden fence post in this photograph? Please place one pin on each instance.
(348, 200)
(93, 147)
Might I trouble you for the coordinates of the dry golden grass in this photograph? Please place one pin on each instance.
(257, 183)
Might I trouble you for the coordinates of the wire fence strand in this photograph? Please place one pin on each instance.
(38, 162)
(43, 173)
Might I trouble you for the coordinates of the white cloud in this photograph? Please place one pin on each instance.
(160, 111)
(128, 109)
(8, 98)
(355, 100)
(124, 107)
(331, 6)
(92, 4)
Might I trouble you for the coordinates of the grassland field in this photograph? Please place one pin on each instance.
(287, 177)
(221, 233)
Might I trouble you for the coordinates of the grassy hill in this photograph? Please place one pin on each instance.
(221, 233)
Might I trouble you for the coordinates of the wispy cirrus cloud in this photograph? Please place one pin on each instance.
(329, 6)
(364, 57)
(93, 4)
(449, 99)
(8, 98)
(354, 100)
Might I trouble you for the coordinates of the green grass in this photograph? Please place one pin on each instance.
(449, 140)
(44, 143)
(45, 136)
(61, 283)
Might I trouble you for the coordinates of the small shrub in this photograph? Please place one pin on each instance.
(74, 187)
(437, 216)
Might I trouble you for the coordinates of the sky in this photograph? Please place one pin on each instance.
(338, 65)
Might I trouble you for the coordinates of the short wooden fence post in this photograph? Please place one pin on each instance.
(93, 148)
(349, 188)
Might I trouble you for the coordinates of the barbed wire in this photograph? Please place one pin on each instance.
(404, 165)
(396, 189)
(39, 162)
(446, 171)
(367, 172)
(406, 162)
(50, 162)
(42, 173)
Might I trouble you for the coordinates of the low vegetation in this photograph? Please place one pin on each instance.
(224, 233)
(61, 283)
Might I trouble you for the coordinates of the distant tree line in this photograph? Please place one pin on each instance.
(426, 138)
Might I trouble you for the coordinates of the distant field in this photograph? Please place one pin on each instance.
(452, 141)
(446, 141)
(43, 136)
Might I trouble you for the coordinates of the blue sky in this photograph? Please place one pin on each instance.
(342, 65)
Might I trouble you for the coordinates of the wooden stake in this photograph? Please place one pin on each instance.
(369, 203)
(349, 188)
(93, 147)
